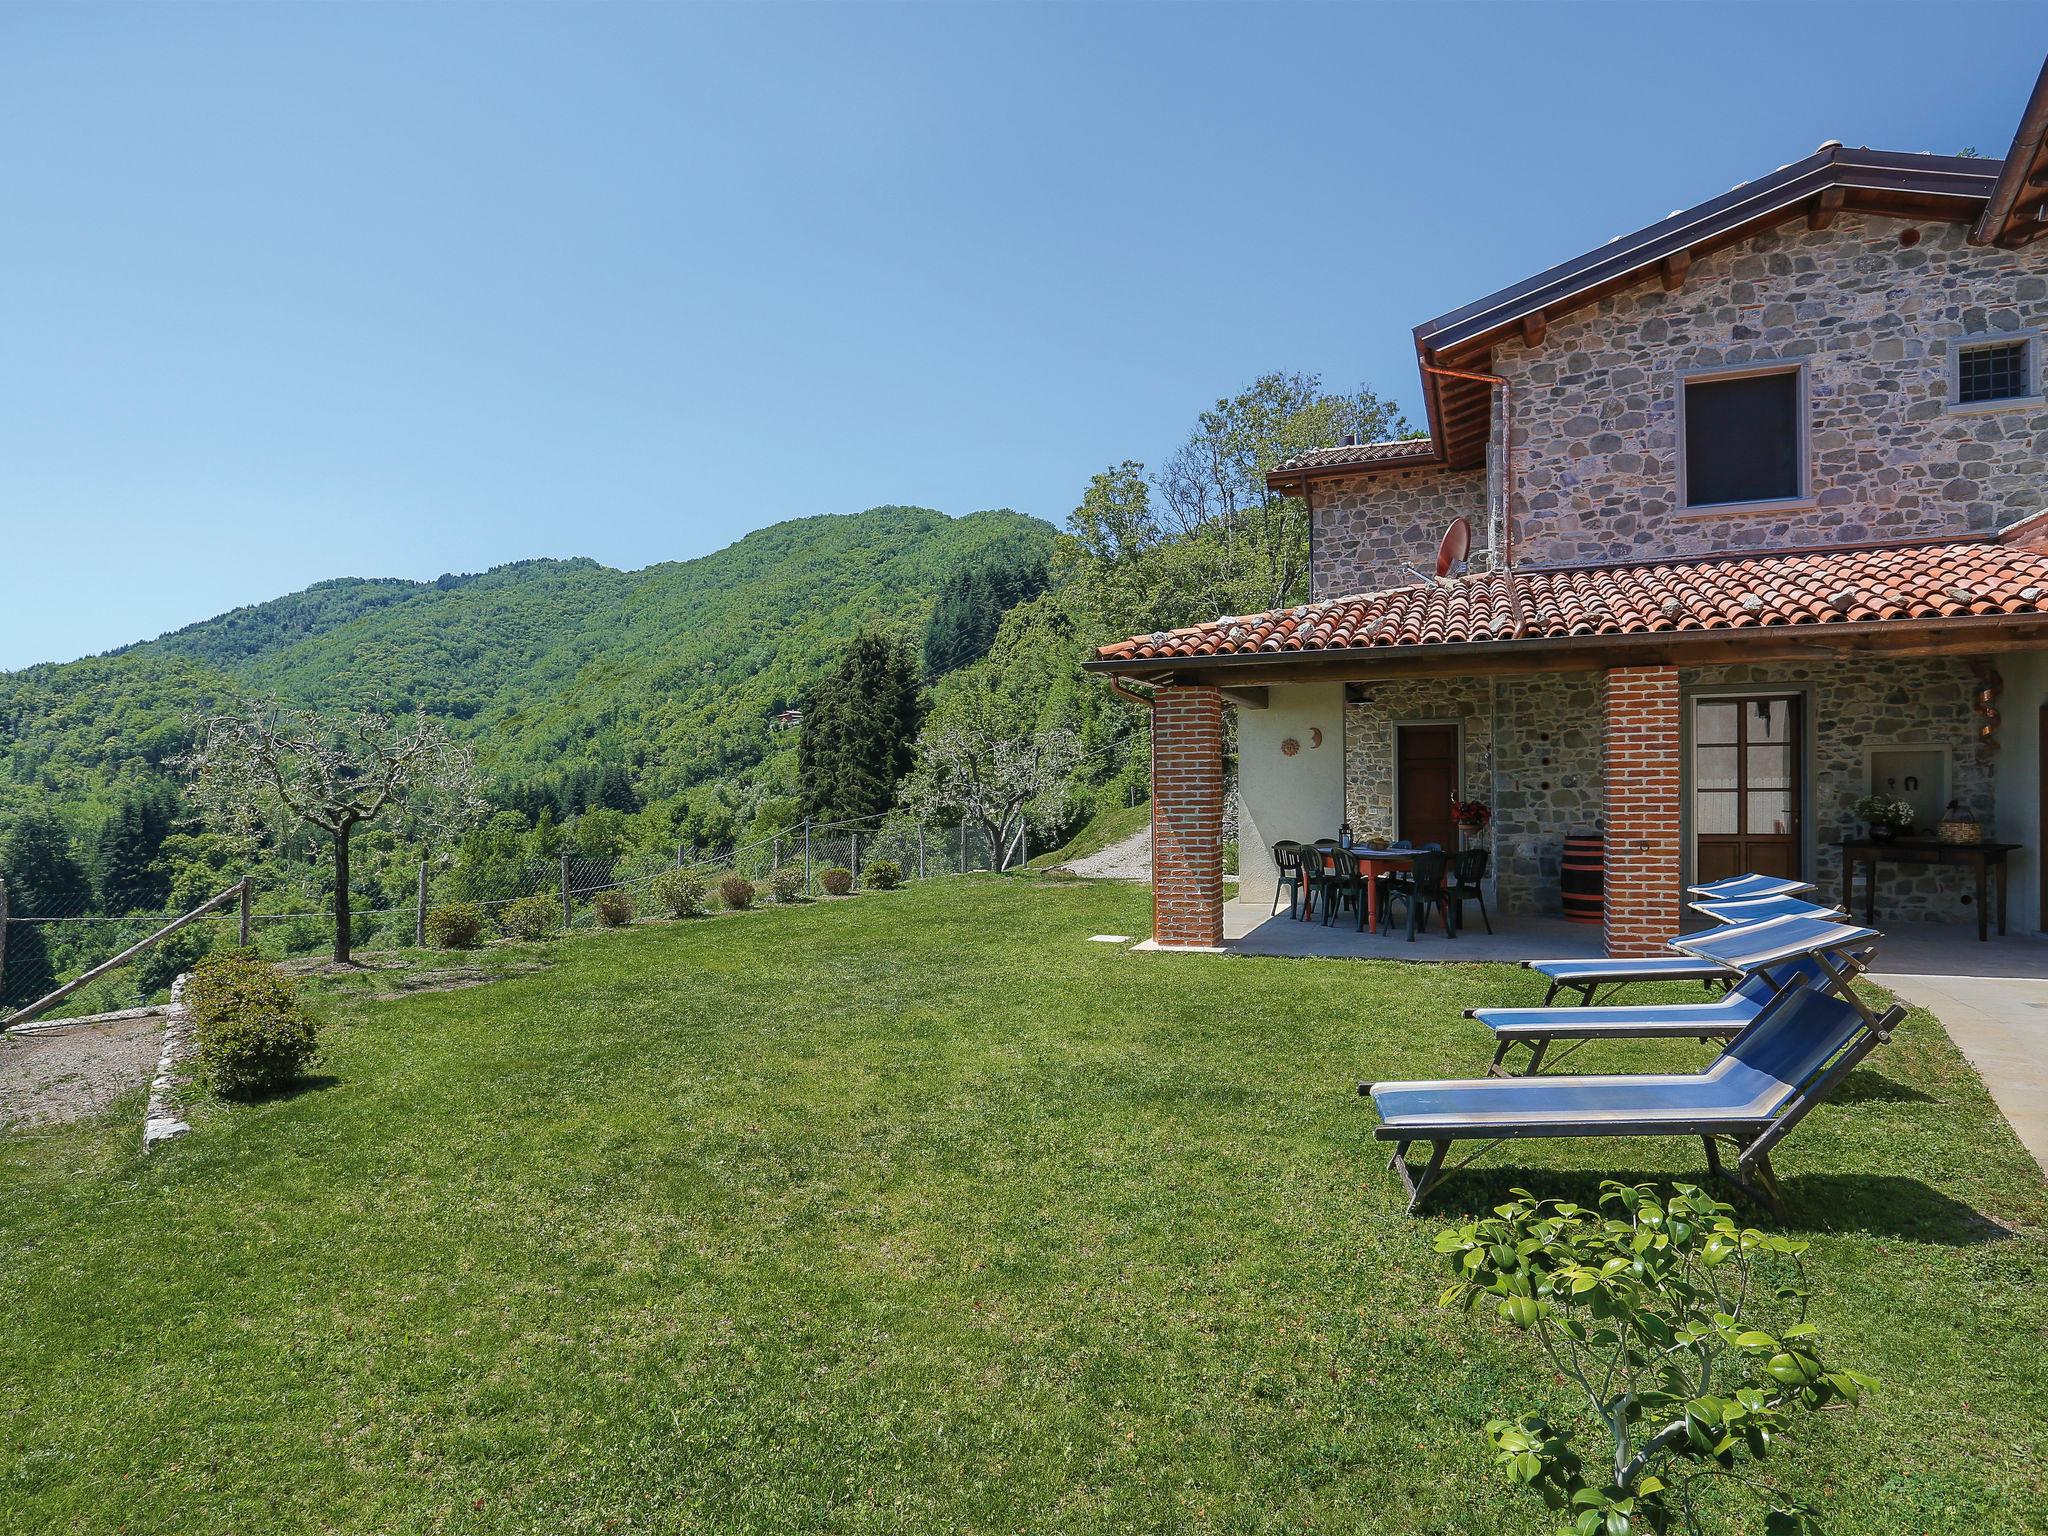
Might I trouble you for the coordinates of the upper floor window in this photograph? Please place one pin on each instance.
(1996, 370)
(1744, 437)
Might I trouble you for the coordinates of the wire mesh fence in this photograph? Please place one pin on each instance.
(48, 940)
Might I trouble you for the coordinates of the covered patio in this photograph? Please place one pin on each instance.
(1700, 717)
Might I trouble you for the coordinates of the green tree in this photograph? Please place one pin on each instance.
(128, 864)
(858, 732)
(44, 879)
(971, 605)
(1252, 541)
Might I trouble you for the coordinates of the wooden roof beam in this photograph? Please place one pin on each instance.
(1534, 326)
(1674, 269)
(1824, 208)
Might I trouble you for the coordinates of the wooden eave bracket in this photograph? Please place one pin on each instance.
(1674, 269)
(1824, 209)
(1246, 698)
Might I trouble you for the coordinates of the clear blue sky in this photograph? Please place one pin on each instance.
(297, 291)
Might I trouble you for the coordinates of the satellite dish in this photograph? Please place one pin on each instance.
(1456, 545)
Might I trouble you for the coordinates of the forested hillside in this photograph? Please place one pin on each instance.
(563, 673)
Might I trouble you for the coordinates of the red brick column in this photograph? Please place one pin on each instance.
(1640, 765)
(1187, 816)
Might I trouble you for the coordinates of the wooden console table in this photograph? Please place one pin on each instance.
(1985, 858)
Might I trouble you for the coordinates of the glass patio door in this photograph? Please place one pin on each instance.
(1745, 787)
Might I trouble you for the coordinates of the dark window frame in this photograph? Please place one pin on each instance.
(2030, 370)
(1802, 395)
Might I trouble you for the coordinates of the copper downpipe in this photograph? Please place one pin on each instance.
(1507, 473)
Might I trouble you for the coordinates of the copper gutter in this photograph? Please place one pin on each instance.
(2019, 163)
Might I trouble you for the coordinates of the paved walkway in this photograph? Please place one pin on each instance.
(1993, 1001)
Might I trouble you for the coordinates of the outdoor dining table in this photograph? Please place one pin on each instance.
(1372, 863)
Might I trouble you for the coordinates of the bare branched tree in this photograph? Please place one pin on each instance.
(265, 767)
(991, 779)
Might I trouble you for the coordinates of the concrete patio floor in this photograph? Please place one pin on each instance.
(1991, 997)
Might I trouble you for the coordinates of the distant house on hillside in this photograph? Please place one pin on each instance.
(785, 720)
(1755, 502)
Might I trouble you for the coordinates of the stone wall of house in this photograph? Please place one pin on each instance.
(1596, 405)
(1369, 744)
(1379, 530)
(1596, 409)
(1852, 708)
(1549, 729)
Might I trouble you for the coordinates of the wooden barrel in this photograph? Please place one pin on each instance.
(1582, 876)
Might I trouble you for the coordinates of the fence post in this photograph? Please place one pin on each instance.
(775, 852)
(807, 855)
(3, 942)
(963, 847)
(568, 911)
(248, 890)
(855, 860)
(920, 850)
(419, 917)
(680, 860)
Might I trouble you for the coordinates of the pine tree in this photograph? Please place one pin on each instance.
(128, 867)
(859, 731)
(44, 879)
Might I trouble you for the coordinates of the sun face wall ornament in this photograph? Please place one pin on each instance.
(1290, 746)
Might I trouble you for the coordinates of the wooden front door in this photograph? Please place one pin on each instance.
(1425, 781)
(1745, 788)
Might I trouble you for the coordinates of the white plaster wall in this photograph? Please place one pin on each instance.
(2018, 768)
(1299, 797)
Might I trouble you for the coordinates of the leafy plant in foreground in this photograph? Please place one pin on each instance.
(736, 893)
(1650, 1307)
(786, 884)
(837, 882)
(614, 908)
(882, 875)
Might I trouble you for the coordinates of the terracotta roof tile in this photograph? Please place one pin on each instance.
(1420, 449)
(1848, 586)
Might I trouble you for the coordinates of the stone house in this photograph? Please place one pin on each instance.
(1716, 529)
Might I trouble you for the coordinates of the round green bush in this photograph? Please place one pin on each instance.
(737, 894)
(614, 908)
(882, 875)
(252, 1035)
(786, 884)
(837, 882)
(455, 927)
(530, 917)
(679, 891)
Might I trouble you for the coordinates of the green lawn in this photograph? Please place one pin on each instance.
(916, 1213)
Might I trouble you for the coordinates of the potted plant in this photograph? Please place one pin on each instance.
(1472, 816)
(1886, 816)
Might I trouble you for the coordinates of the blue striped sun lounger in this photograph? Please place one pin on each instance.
(1802, 1044)
(1748, 887)
(1587, 977)
(1757, 909)
(1537, 1029)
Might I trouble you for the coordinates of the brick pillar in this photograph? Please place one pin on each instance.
(1640, 767)
(1187, 816)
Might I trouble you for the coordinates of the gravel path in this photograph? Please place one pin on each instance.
(1130, 859)
(63, 1074)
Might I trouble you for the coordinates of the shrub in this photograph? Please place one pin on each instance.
(882, 875)
(837, 882)
(251, 1033)
(737, 894)
(679, 891)
(455, 927)
(530, 917)
(1694, 1330)
(614, 908)
(786, 884)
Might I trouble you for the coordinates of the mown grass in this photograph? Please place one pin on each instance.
(917, 1212)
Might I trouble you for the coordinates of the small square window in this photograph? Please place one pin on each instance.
(1997, 371)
